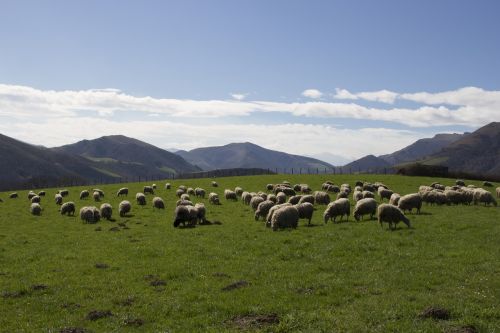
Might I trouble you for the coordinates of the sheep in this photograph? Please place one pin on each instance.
(358, 183)
(325, 185)
(183, 214)
(158, 203)
(342, 194)
(90, 214)
(285, 182)
(153, 186)
(280, 198)
(122, 191)
(368, 194)
(200, 207)
(13, 195)
(58, 198)
(392, 215)
(369, 187)
(357, 195)
(307, 198)
(254, 203)
(332, 188)
(97, 196)
(183, 188)
(35, 208)
(101, 192)
(263, 209)
(339, 207)
(246, 197)
(454, 197)
(296, 187)
(467, 195)
(64, 193)
(321, 198)
(498, 192)
(181, 202)
(272, 210)
(124, 208)
(345, 188)
(305, 210)
(285, 217)
(481, 195)
(31, 194)
(230, 195)
(384, 193)
(285, 189)
(459, 182)
(438, 186)
(140, 198)
(304, 188)
(191, 191)
(410, 201)
(471, 186)
(379, 185)
(148, 190)
(272, 198)
(434, 197)
(106, 211)
(294, 199)
(36, 199)
(214, 184)
(424, 188)
(199, 192)
(185, 197)
(238, 190)
(262, 195)
(84, 194)
(487, 184)
(213, 198)
(394, 199)
(363, 207)
(68, 208)
(41, 193)
(269, 187)
(179, 192)
(168, 186)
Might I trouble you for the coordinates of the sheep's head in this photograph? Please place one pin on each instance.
(326, 217)
(357, 217)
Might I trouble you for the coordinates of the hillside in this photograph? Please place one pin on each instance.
(247, 155)
(367, 163)
(25, 164)
(128, 157)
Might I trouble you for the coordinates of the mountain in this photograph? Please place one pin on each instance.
(367, 163)
(421, 148)
(331, 158)
(247, 155)
(23, 164)
(128, 157)
(475, 153)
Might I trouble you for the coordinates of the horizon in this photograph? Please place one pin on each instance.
(312, 78)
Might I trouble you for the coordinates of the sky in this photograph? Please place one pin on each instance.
(332, 79)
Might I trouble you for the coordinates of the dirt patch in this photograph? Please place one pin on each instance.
(151, 277)
(73, 330)
(255, 320)
(71, 305)
(114, 229)
(236, 285)
(216, 222)
(98, 229)
(464, 329)
(101, 265)
(39, 287)
(122, 224)
(136, 322)
(14, 294)
(125, 302)
(133, 240)
(435, 313)
(96, 314)
(158, 283)
(305, 290)
(221, 275)
(125, 228)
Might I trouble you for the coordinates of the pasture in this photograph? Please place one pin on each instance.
(139, 273)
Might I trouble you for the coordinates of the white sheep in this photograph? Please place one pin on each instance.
(36, 199)
(179, 192)
(31, 194)
(342, 195)
(285, 217)
(153, 186)
(68, 208)
(280, 198)
(41, 193)
(185, 197)
(255, 201)
(294, 199)
(90, 214)
(498, 192)
(307, 198)
(122, 191)
(202, 211)
(124, 208)
(64, 193)
(84, 194)
(148, 190)
(460, 182)
(483, 196)
(183, 214)
(191, 191)
(13, 195)
(140, 198)
(58, 198)
(168, 186)
(410, 201)
(394, 199)
(357, 195)
(158, 203)
(269, 187)
(272, 210)
(214, 184)
(384, 193)
(101, 192)
(230, 195)
(246, 197)
(238, 190)
(263, 209)
(97, 196)
(35, 208)
(106, 211)
(213, 198)
(305, 210)
(199, 192)
(368, 194)
(181, 202)
(392, 215)
(339, 207)
(321, 198)
(272, 198)
(363, 207)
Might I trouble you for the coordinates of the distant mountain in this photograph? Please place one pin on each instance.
(128, 157)
(421, 148)
(476, 153)
(247, 155)
(331, 158)
(367, 163)
(24, 164)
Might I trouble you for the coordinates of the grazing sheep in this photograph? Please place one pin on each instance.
(339, 207)
(106, 211)
(246, 197)
(271, 212)
(285, 189)
(68, 208)
(459, 182)
(124, 208)
(64, 193)
(272, 198)
(285, 217)
(434, 197)
(202, 211)
(358, 188)
(357, 195)
(213, 198)
(294, 199)
(153, 186)
(498, 192)
(58, 198)
(97, 196)
(158, 203)
(307, 198)
(31, 194)
(487, 184)
(369, 187)
(305, 210)
(35, 208)
(90, 214)
(101, 192)
(285, 182)
(183, 188)
(467, 195)
(181, 202)
(84, 194)
(185, 197)
(424, 188)
(179, 192)
(394, 199)
(141, 199)
(438, 186)
(332, 188)
(148, 190)
(345, 188)
(262, 195)
(122, 191)
(280, 198)
(471, 186)
(36, 199)
(230, 195)
(321, 198)
(410, 201)
(168, 186)
(326, 184)
(199, 192)
(304, 188)
(183, 214)
(483, 196)
(392, 215)
(296, 187)
(363, 207)
(256, 200)
(13, 195)
(454, 197)
(41, 193)
(263, 209)
(342, 195)
(214, 184)
(191, 191)
(368, 194)
(384, 193)
(238, 190)
(358, 183)
(269, 187)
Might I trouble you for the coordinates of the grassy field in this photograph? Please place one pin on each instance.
(142, 275)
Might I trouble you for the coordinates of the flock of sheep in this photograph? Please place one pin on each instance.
(282, 205)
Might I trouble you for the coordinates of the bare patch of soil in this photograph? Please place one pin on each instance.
(255, 320)
(435, 313)
(125, 302)
(236, 285)
(221, 275)
(73, 330)
(114, 229)
(101, 265)
(14, 294)
(464, 329)
(39, 287)
(97, 314)
(134, 322)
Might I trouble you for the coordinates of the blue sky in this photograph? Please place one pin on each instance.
(306, 77)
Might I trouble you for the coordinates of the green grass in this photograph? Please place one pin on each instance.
(347, 277)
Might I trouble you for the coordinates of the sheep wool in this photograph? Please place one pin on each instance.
(68, 208)
(365, 206)
(305, 210)
(263, 209)
(35, 208)
(124, 208)
(339, 207)
(141, 199)
(392, 215)
(285, 217)
(410, 201)
(106, 211)
(158, 203)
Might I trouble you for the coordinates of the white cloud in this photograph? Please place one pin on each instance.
(312, 93)
(239, 97)
(384, 96)
(344, 94)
